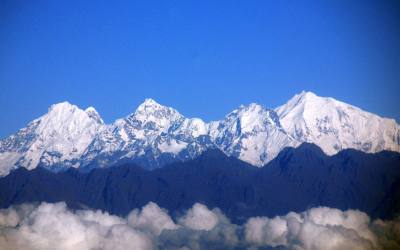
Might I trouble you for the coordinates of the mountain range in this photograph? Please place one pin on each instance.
(155, 135)
(297, 179)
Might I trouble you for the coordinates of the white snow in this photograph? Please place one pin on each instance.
(152, 125)
(334, 125)
(173, 147)
(194, 126)
(61, 135)
(252, 133)
(151, 111)
(92, 113)
(7, 161)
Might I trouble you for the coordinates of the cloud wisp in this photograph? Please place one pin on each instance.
(54, 226)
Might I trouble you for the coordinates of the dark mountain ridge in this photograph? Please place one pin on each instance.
(297, 179)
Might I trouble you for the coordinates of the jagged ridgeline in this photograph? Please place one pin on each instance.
(154, 135)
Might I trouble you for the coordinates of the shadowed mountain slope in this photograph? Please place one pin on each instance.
(297, 179)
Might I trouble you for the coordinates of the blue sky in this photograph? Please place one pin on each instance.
(203, 58)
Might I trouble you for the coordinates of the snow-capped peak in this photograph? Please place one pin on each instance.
(151, 128)
(64, 110)
(92, 113)
(69, 136)
(335, 125)
(61, 135)
(62, 116)
(149, 105)
(90, 110)
(62, 107)
(154, 116)
(254, 117)
(150, 101)
(252, 133)
(306, 94)
(299, 102)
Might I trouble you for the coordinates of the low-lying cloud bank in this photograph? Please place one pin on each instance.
(54, 226)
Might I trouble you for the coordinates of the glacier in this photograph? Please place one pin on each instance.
(155, 135)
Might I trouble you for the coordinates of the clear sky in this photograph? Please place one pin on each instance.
(203, 58)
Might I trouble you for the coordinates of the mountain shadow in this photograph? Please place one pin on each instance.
(297, 179)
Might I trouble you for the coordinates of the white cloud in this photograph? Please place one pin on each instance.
(199, 217)
(54, 226)
(265, 231)
(152, 218)
(317, 228)
(388, 233)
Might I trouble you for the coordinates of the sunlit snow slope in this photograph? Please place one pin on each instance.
(155, 135)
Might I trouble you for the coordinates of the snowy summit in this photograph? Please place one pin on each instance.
(155, 135)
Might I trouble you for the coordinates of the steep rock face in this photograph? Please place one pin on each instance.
(334, 125)
(58, 137)
(251, 133)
